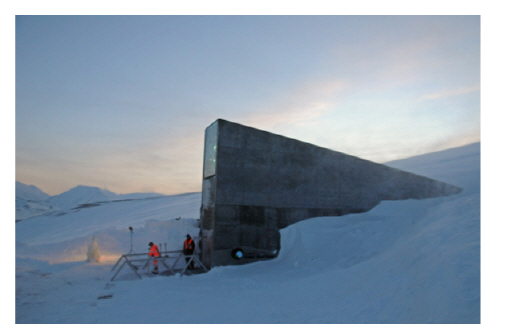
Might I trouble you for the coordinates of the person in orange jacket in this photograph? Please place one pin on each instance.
(154, 252)
(189, 249)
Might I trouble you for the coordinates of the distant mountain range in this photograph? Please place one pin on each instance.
(31, 201)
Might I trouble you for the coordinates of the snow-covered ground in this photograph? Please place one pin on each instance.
(402, 262)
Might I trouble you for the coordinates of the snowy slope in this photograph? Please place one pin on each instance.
(31, 201)
(413, 261)
(30, 192)
(81, 195)
(72, 230)
(439, 165)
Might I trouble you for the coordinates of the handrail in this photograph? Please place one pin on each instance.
(190, 259)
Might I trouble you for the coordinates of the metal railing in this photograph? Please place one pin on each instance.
(133, 260)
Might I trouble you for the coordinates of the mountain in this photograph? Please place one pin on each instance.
(81, 195)
(84, 195)
(30, 192)
(31, 201)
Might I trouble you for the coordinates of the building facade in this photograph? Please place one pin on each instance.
(256, 183)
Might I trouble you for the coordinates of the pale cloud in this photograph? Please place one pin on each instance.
(450, 92)
(301, 106)
(382, 63)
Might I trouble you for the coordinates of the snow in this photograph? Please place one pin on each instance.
(403, 262)
(31, 201)
(30, 192)
(81, 195)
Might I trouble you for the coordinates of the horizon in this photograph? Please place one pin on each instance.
(122, 102)
(94, 186)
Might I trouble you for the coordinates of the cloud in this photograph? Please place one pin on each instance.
(300, 106)
(450, 92)
(418, 53)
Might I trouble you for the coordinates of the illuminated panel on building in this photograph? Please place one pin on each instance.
(211, 136)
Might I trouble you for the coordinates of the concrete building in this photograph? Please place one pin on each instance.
(256, 183)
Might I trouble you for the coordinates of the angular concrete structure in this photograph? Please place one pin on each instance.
(256, 183)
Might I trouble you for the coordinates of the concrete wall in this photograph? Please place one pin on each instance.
(256, 183)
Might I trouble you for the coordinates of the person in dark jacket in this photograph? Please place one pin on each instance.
(189, 249)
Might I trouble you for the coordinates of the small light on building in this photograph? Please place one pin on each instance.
(237, 253)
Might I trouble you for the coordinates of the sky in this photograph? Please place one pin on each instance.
(122, 102)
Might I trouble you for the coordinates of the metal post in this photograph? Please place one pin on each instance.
(117, 263)
(131, 240)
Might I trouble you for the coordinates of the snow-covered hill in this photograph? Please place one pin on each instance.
(439, 165)
(81, 195)
(31, 201)
(413, 261)
(84, 195)
(30, 192)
